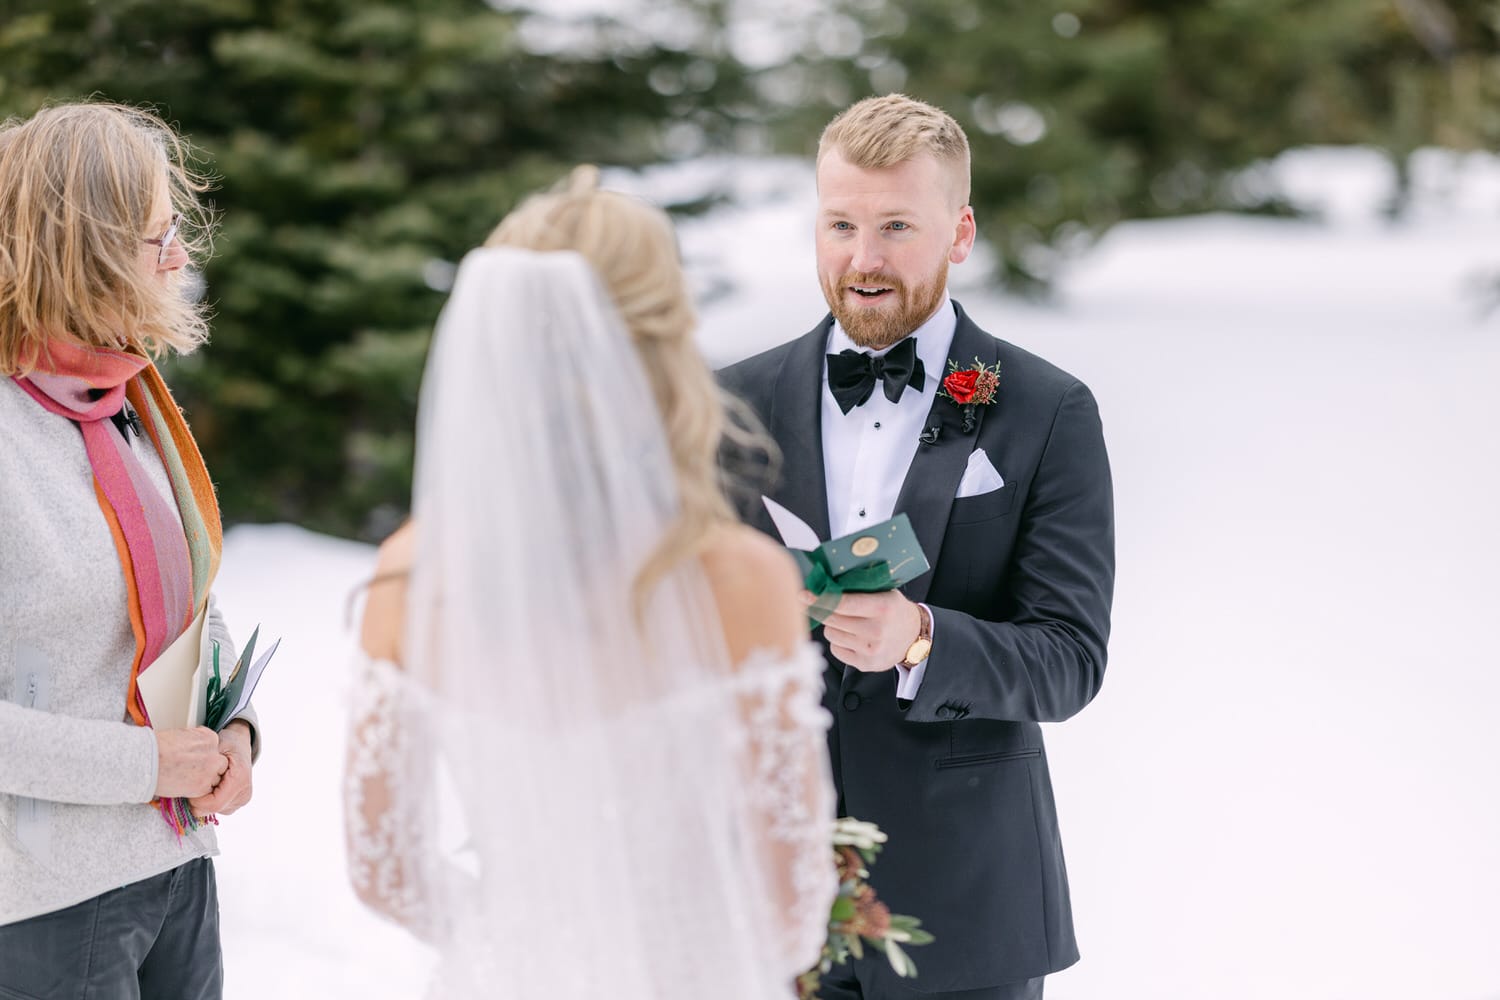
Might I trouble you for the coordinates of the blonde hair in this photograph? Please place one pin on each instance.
(633, 249)
(880, 132)
(78, 184)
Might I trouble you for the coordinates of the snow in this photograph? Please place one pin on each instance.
(1287, 787)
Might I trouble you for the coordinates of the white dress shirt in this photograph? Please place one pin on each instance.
(867, 452)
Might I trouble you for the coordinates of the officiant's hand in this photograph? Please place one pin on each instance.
(187, 761)
(234, 787)
(872, 632)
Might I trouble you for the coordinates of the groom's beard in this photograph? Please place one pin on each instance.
(878, 325)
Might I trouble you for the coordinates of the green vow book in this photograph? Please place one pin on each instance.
(881, 557)
(227, 698)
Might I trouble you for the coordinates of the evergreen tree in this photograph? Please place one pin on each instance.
(361, 148)
(1085, 112)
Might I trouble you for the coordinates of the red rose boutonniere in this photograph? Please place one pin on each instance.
(970, 388)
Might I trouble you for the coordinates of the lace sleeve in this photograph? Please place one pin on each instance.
(792, 796)
(388, 797)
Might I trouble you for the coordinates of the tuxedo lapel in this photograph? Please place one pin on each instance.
(932, 480)
(796, 423)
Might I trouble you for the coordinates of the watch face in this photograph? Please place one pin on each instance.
(917, 651)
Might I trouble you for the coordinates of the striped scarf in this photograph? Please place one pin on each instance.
(168, 567)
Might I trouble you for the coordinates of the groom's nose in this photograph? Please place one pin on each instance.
(866, 257)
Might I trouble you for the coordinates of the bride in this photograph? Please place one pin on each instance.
(587, 757)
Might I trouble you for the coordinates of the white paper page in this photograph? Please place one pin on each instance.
(252, 679)
(795, 532)
(173, 687)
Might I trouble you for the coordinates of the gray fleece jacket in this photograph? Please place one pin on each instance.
(76, 777)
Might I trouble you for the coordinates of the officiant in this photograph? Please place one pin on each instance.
(108, 550)
(897, 402)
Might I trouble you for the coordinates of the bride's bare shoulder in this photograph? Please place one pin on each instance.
(385, 602)
(757, 590)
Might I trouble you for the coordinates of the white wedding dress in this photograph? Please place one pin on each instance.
(687, 945)
(569, 797)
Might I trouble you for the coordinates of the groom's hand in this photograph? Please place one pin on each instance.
(872, 632)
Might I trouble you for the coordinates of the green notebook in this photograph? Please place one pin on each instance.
(874, 559)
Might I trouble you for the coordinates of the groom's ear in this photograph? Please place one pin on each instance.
(964, 234)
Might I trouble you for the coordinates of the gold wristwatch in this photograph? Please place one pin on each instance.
(922, 645)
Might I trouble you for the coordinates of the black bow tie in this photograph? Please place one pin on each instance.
(852, 374)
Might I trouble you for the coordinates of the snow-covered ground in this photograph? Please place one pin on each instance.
(1288, 786)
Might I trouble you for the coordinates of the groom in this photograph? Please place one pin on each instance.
(892, 405)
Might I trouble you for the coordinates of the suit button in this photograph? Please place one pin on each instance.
(944, 712)
(852, 701)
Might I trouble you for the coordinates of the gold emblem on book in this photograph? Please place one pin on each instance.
(864, 546)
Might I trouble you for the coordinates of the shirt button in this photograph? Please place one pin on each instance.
(861, 512)
(877, 425)
(852, 700)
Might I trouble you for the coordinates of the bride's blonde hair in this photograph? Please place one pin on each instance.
(632, 247)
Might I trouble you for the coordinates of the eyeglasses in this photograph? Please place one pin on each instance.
(165, 242)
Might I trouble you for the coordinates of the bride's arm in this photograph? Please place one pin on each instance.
(792, 797)
(793, 802)
(388, 767)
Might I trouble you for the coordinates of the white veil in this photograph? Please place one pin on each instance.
(615, 780)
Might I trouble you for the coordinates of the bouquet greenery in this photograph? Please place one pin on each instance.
(858, 918)
(227, 698)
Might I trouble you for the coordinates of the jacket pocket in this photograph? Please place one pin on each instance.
(967, 510)
(976, 759)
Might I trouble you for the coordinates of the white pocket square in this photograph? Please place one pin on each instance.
(980, 477)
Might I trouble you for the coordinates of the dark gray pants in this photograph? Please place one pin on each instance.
(844, 983)
(157, 939)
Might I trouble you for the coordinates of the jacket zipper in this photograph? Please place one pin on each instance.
(26, 806)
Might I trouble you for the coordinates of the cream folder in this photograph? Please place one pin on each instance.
(175, 687)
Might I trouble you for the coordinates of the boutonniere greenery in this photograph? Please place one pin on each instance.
(970, 388)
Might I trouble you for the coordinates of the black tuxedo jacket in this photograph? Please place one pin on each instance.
(1020, 593)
